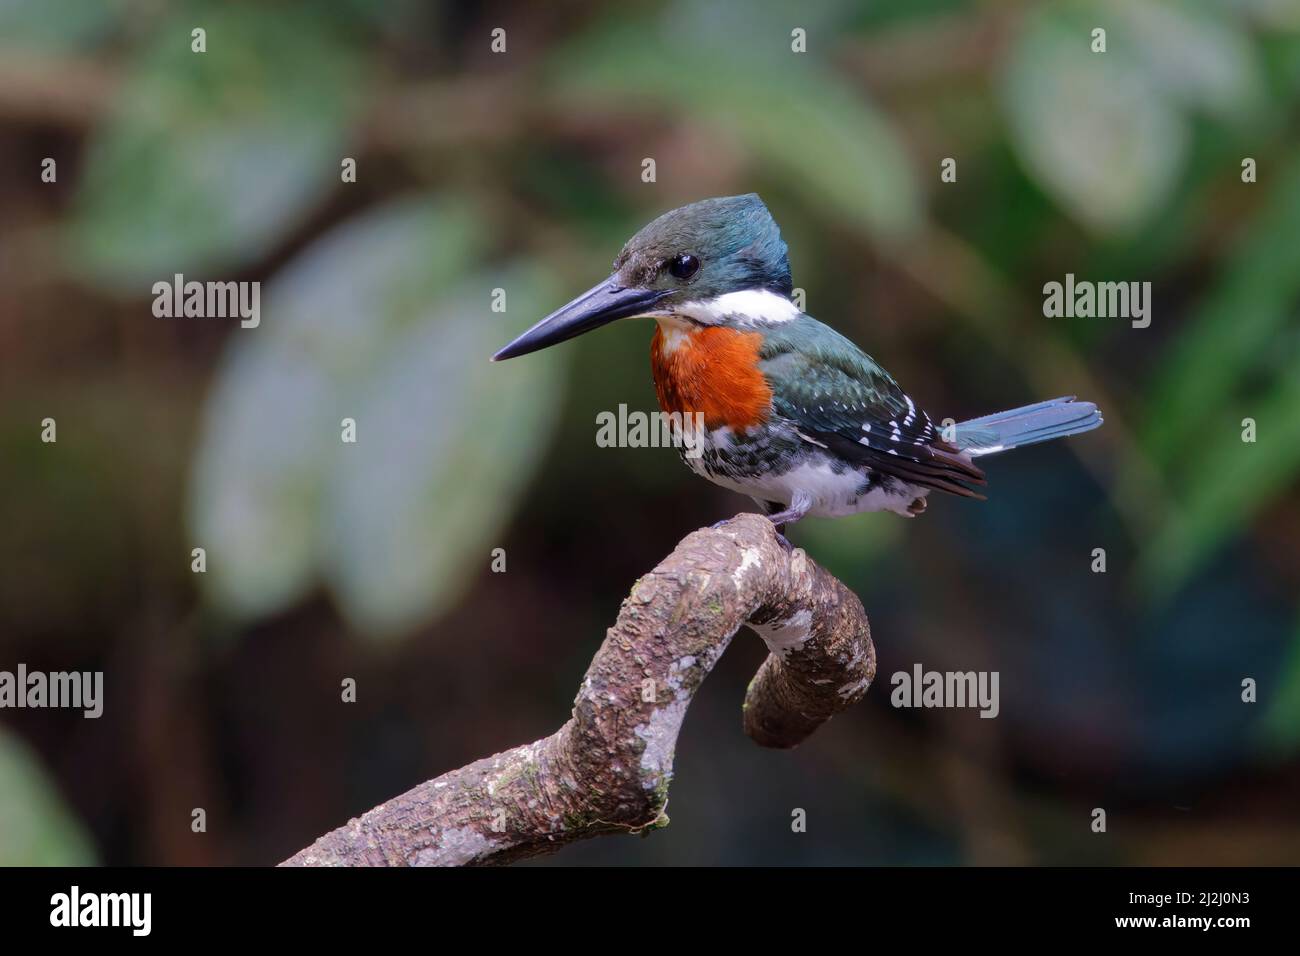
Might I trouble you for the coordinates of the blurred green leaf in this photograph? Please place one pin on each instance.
(1236, 324)
(272, 421)
(376, 322)
(450, 442)
(57, 26)
(36, 826)
(1107, 133)
(803, 123)
(1274, 14)
(1231, 363)
(210, 158)
(1092, 128)
(1233, 481)
(1194, 52)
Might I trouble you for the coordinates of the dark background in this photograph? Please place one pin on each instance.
(522, 171)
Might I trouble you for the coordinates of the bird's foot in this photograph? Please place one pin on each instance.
(798, 508)
(778, 528)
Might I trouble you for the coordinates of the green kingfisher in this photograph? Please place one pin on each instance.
(794, 414)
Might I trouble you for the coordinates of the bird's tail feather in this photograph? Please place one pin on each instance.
(1027, 425)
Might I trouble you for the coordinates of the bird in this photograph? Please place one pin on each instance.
(793, 414)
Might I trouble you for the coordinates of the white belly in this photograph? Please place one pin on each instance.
(833, 495)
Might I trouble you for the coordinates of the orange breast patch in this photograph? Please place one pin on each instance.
(713, 371)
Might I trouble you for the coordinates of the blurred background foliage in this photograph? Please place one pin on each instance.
(521, 172)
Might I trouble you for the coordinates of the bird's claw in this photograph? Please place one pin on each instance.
(780, 536)
(778, 528)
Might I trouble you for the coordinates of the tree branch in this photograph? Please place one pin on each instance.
(607, 770)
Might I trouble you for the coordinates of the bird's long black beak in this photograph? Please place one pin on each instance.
(598, 306)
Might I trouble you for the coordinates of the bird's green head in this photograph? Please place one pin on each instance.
(714, 262)
(706, 250)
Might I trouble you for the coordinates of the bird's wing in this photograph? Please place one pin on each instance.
(841, 400)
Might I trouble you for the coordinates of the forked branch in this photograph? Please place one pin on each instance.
(607, 770)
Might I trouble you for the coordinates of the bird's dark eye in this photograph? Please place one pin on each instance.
(684, 266)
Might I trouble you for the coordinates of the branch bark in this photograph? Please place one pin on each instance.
(607, 770)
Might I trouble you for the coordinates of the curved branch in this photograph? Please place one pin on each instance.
(608, 768)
